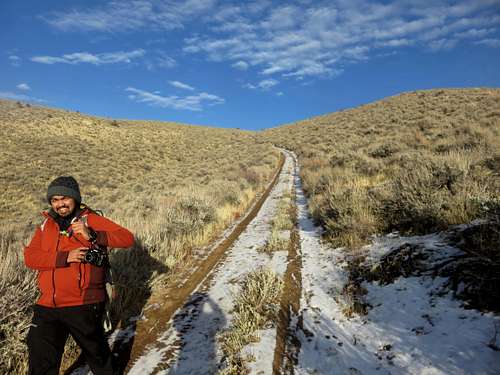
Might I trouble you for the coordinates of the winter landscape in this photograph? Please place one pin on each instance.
(313, 187)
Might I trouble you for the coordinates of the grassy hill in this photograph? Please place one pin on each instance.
(175, 186)
(416, 162)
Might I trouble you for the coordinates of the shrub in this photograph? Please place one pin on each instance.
(349, 220)
(415, 202)
(256, 306)
(383, 151)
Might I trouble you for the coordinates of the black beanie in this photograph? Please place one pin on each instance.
(64, 185)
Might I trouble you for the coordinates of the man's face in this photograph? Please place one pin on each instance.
(62, 204)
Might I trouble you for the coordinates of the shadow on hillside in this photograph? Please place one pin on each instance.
(133, 270)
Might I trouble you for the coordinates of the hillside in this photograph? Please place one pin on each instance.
(404, 189)
(148, 160)
(416, 162)
(175, 186)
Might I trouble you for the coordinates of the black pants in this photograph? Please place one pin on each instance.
(50, 329)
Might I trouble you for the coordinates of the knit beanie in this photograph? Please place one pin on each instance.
(64, 185)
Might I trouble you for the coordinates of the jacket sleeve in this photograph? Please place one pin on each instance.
(109, 233)
(37, 259)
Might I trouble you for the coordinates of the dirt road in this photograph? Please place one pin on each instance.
(189, 344)
(406, 328)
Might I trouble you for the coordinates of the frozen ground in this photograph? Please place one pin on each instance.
(190, 345)
(411, 329)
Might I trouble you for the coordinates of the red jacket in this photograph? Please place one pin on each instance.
(71, 284)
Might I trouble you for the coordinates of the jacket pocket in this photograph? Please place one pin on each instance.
(45, 284)
(94, 276)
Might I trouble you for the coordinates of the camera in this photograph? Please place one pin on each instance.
(96, 255)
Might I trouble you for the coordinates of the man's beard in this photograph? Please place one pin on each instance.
(64, 211)
(64, 222)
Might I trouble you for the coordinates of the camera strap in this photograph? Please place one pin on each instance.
(109, 288)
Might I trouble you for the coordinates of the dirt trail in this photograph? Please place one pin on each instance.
(187, 343)
(161, 308)
(406, 327)
(287, 344)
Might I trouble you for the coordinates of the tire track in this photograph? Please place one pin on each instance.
(150, 332)
(287, 344)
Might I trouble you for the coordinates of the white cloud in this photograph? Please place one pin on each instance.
(23, 86)
(15, 60)
(191, 103)
(22, 97)
(293, 39)
(265, 84)
(284, 17)
(494, 43)
(165, 62)
(127, 15)
(241, 65)
(318, 38)
(89, 58)
(227, 13)
(474, 33)
(181, 85)
(160, 60)
(442, 44)
(395, 43)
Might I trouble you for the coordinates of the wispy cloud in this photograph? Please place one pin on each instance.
(474, 33)
(494, 43)
(241, 65)
(15, 60)
(23, 86)
(89, 58)
(265, 84)
(295, 39)
(443, 44)
(159, 60)
(129, 15)
(191, 103)
(22, 97)
(319, 38)
(181, 85)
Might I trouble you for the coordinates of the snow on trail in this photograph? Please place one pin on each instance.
(190, 345)
(409, 330)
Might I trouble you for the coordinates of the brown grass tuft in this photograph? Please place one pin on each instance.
(256, 306)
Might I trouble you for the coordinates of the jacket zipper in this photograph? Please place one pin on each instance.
(54, 276)
(53, 287)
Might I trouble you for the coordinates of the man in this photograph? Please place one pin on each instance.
(72, 290)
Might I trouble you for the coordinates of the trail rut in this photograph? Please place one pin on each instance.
(188, 343)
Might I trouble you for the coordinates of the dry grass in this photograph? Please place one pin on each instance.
(281, 225)
(175, 186)
(255, 307)
(417, 162)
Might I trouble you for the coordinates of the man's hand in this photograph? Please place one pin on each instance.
(80, 228)
(77, 255)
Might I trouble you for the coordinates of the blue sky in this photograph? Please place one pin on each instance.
(250, 65)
